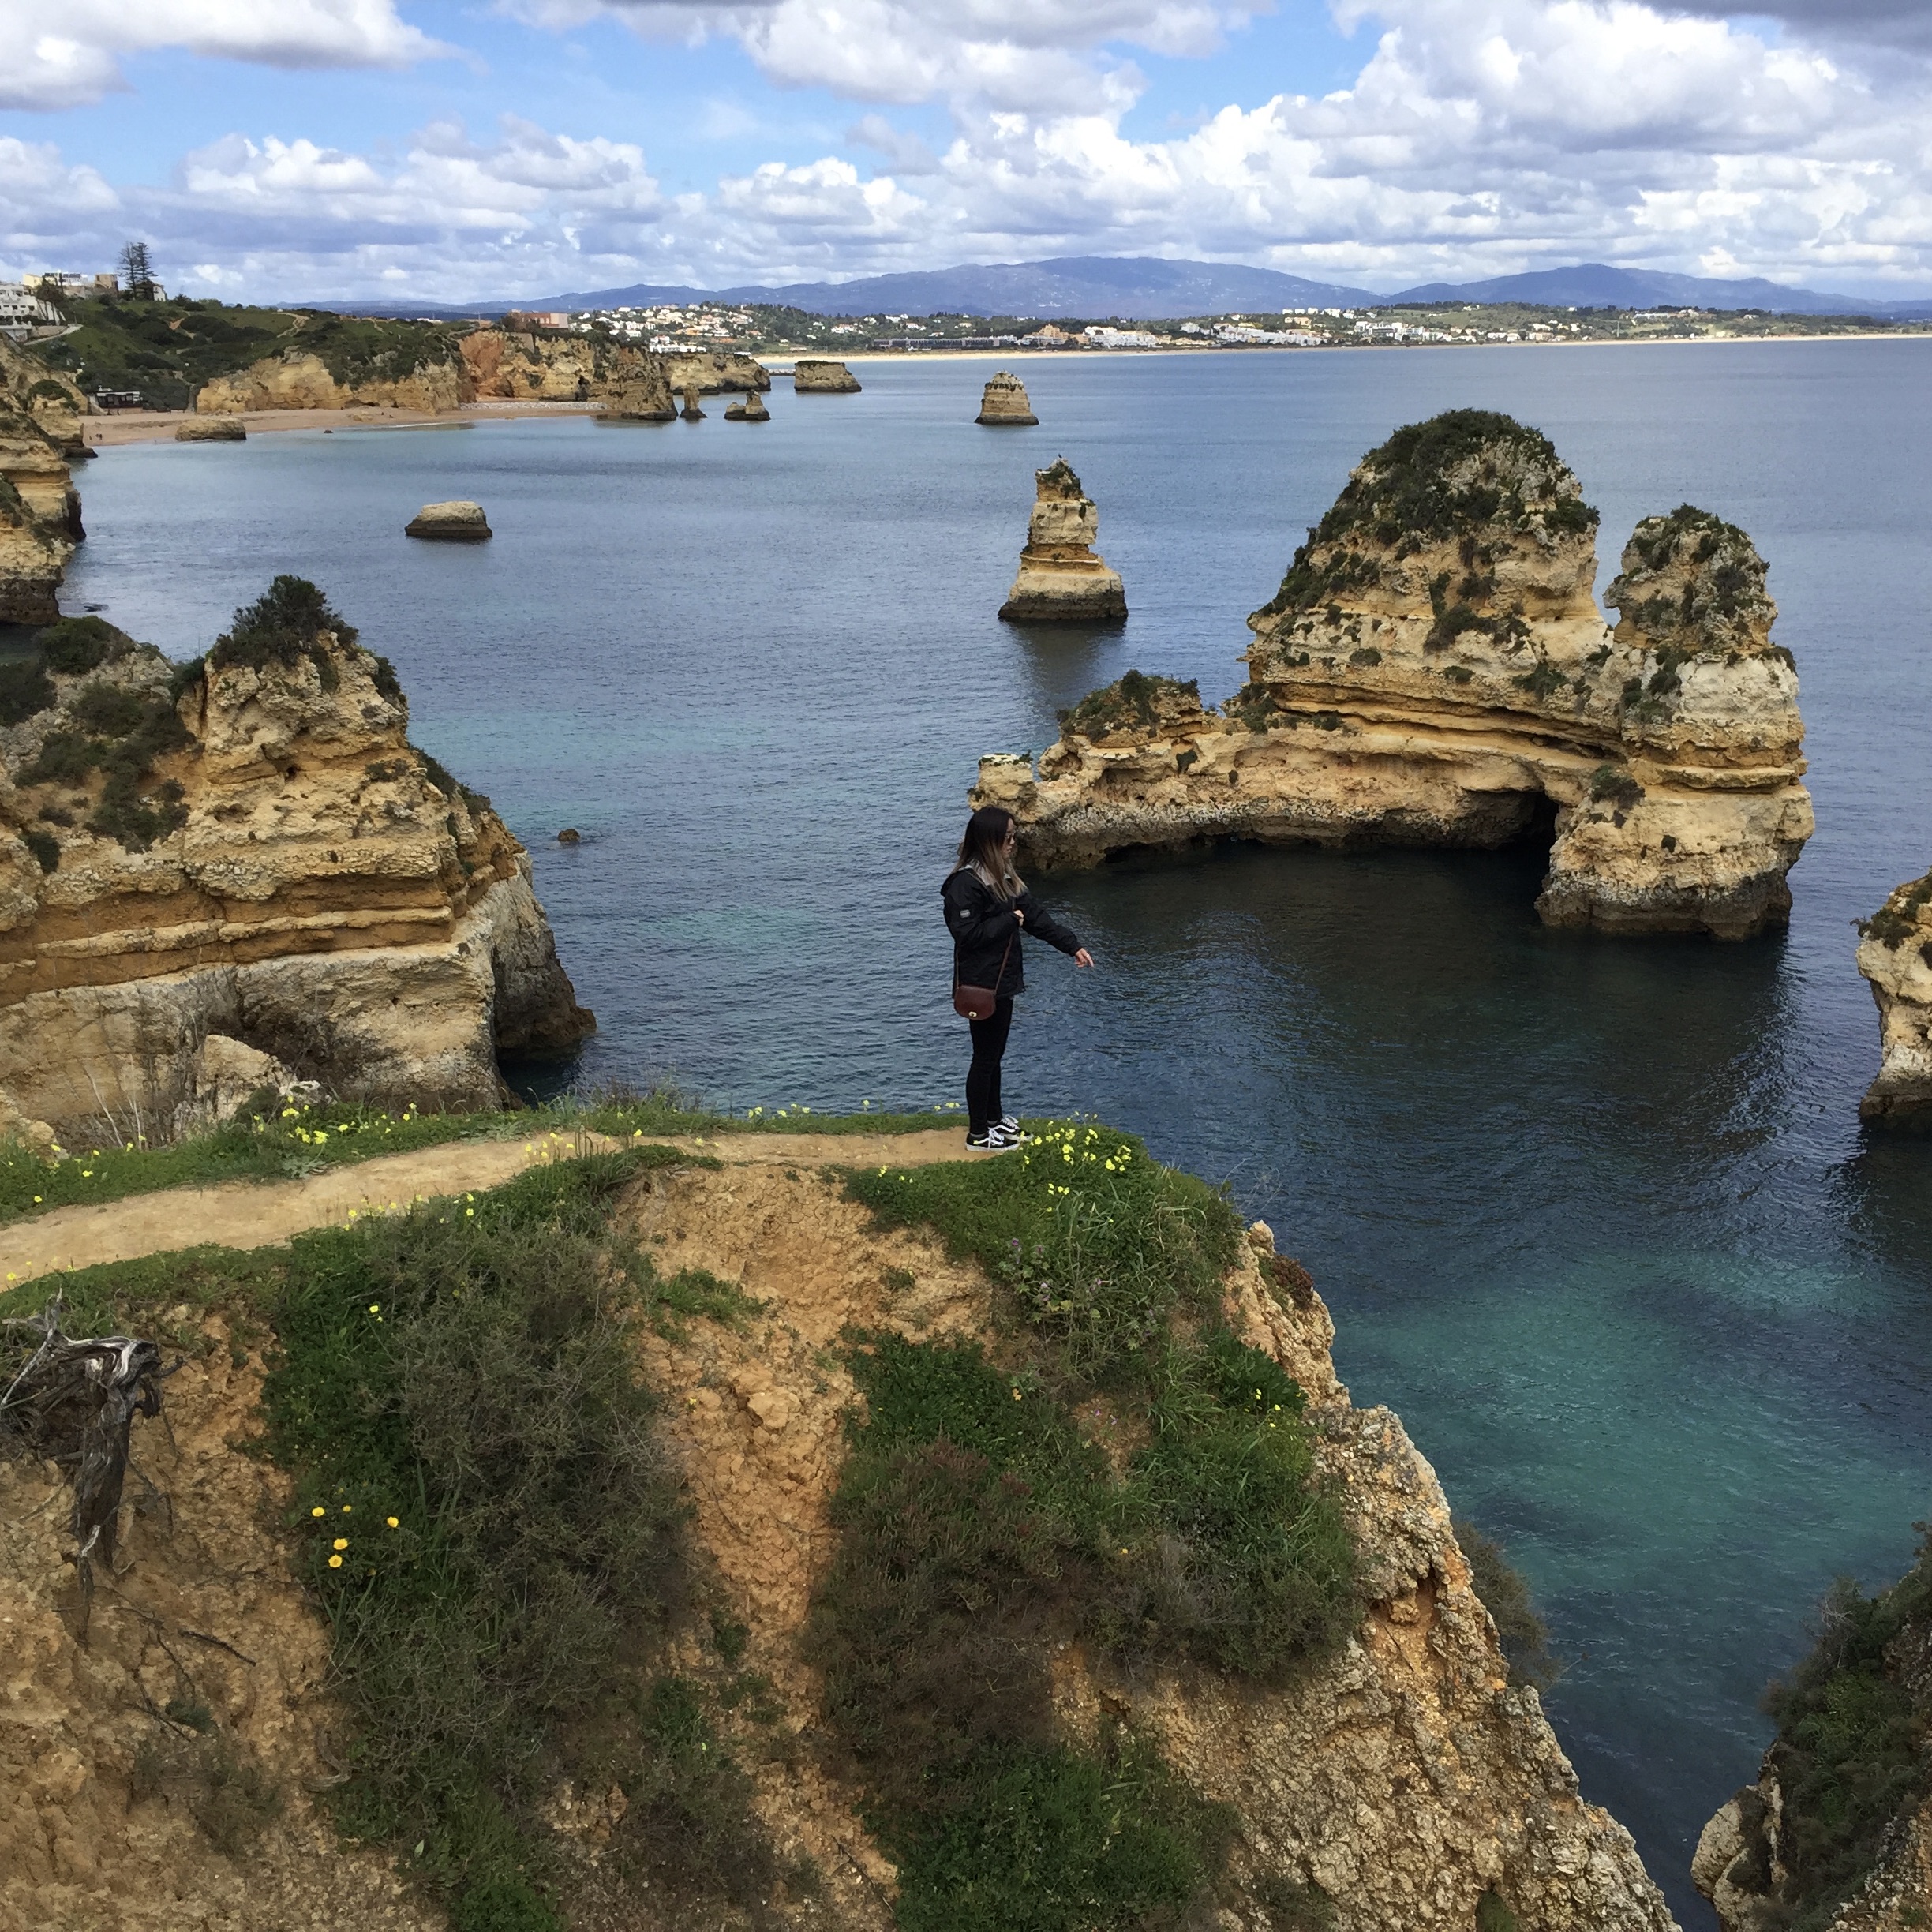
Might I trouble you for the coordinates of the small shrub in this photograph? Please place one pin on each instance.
(45, 847)
(1542, 682)
(1134, 702)
(25, 691)
(75, 645)
(282, 626)
(1493, 1915)
(1523, 1634)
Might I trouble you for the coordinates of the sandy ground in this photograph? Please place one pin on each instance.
(263, 1213)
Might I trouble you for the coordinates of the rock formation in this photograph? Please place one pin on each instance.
(1060, 581)
(717, 371)
(1433, 671)
(492, 363)
(297, 379)
(691, 412)
(455, 522)
(39, 507)
(212, 429)
(1837, 1830)
(631, 382)
(250, 845)
(819, 376)
(751, 409)
(1004, 401)
(1895, 955)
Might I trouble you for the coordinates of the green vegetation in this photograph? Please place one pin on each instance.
(1850, 1752)
(1720, 607)
(282, 626)
(1523, 1634)
(1459, 475)
(167, 351)
(75, 645)
(1127, 1472)
(1897, 920)
(25, 690)
(1132, 703)
(483, 1512)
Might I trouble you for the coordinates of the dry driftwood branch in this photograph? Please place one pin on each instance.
(73, 1404)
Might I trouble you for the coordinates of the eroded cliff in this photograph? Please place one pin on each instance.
(1434, 670)
(40, 415)
(250, 846)
(1062, 580)
(1103, 1709)
(1895, 955)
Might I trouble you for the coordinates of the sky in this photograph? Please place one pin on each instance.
(472, 150)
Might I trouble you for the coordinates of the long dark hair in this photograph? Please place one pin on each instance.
(983, 851)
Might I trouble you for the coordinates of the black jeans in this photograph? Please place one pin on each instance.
(982, 1077)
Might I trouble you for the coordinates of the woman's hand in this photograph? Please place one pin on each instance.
(1018, 917)
(1083, 957)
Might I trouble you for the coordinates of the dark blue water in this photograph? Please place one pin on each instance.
(1596, 1216)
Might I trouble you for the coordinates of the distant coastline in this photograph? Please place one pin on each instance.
(119, 427)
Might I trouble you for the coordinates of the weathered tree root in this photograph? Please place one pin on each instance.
(74, 1404)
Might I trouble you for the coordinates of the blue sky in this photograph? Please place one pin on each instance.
(291, 148)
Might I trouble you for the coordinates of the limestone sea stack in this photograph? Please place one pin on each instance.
(1434, 671)
(691, 412)
(1895, 955)
(816, 377)
(751, 409)
(212, 429)
(250, 846)
(39, 507)
(1003, 402)
(1061, 580)
(716, 372)
(456, 522)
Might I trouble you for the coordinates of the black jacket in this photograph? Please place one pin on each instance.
(981, 923)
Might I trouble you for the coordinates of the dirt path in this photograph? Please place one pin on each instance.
(258, 1214)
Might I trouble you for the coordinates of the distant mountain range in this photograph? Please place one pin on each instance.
(1141, 286)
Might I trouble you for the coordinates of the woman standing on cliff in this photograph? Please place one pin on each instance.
(987, 908)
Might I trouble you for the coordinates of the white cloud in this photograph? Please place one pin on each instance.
(63, 53)
(1479, 137)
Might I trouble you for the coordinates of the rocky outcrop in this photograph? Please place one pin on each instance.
(39, 507)
(55, 402)
(631, 383)
(1060, 581)
(458, 521)
(213, 429)
(1434, 671)
(751, 409)
(716, 372)
(692, 412)
(1895, 955)
(821, 376)
(297, 379)
(1837, 1830)
(1004, 402)
(251, 847)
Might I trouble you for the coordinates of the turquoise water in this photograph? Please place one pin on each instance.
(1596, 1217)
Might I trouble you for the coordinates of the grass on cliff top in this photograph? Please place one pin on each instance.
(272, 1140)
(485, 1513)
(1121, 1472)
(1850, 1753)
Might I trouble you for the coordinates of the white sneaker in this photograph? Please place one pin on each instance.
(1001, 1136)
(987, 1143)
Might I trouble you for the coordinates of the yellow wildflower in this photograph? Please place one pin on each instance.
(392, 1522)
(318, 1510)
(340, 1543)
(334, 1563)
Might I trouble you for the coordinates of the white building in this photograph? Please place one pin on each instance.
(1098, 337)
(21, 309)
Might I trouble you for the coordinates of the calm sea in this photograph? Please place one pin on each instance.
(1596, 1216)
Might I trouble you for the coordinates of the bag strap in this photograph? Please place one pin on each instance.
(998, 976)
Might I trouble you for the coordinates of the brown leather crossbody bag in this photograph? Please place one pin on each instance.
(974, 1002)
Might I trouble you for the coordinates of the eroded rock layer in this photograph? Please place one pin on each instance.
(39, 508)
(1060, 579)
(715, 372)
(1434, 670)
(251, 847)
(1003, 402)
(819, 376)
(1895, 955)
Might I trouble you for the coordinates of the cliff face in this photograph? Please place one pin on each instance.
(1434, 671)
(1060, 579)
(818, 376)
(39, 508)
(1895, 955)
(254, 849)
(297, 380)
(486, 362)
(1003, 402)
